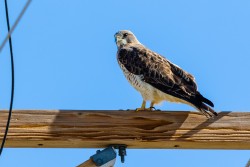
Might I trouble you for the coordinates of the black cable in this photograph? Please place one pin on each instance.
(12, 80)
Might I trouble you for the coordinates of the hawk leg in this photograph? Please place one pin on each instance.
(152, 107)
(143, 107)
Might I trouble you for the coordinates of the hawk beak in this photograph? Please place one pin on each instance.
(117, 37)
(116, 34)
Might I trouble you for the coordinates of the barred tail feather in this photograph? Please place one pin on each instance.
(207, 111)
(205, 100)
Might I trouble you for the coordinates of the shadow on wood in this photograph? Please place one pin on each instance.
(116, 127)
(203, 125)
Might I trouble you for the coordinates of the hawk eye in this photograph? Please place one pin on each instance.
(126, 34)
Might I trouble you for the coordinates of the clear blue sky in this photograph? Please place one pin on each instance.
(65, 58)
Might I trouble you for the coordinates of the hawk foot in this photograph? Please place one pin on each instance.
(145, 109)
(153, 108)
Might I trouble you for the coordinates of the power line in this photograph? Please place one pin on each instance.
(12, 65)
(12, 79)
(15, 24)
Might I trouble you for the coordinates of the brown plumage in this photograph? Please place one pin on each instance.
(155, 77)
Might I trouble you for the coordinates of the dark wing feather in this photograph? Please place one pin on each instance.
(161, 74)
(158, 72)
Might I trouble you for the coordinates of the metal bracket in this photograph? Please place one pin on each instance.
(104, 156)
(122, 150)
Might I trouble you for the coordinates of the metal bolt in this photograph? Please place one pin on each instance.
(122, 153)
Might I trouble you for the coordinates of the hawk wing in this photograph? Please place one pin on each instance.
(160, 73)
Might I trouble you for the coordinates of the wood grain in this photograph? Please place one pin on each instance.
(88, 163)
(98, 129)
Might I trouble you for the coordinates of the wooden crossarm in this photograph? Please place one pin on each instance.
(98, 129)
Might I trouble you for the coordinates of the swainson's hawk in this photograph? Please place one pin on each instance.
(155, 77)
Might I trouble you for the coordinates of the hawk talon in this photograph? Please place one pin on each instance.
(145, 109)
(140, 109)
(152, 108)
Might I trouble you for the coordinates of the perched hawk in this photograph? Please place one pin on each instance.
(156, 78)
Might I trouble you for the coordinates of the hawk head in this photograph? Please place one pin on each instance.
(124, 37)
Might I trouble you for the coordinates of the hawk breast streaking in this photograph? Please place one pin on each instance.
(155, 77)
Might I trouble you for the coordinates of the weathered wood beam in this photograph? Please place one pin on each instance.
(155, 129)
(88, 163)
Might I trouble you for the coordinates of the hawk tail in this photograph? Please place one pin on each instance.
(203, 105)
(204, 100)
(207, 111)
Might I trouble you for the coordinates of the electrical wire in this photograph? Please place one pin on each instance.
(8, 37)
(12, 80)
(15, 24)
